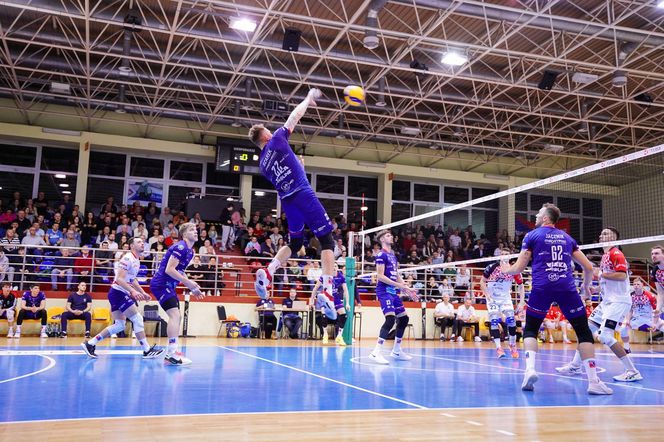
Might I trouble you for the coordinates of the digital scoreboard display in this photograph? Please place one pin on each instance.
(237, 156)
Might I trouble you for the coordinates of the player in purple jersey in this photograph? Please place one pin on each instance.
(388, 282)
(336, 308)
(125, 290)
(552, 252)
(165, 280)
(285, 171)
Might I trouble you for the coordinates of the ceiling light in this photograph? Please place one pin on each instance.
(410, 131)
(125, 69)
(259, 193)
(364, 208)
(554, 147)
(63, 185)
(61, 176)
(453, 58)
(243, 24)
(229, 199)
(66, 192)
(660, 4)
(583, 78)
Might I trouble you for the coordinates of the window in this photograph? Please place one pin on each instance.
(457, 219)
(54, 188)
(479, 193)
(401, 191)
(260, 182)
(521, 201)
(23, 156)
(425, 192)
(357, 186)
(221, 178)
(455, 195)
(400, 211)
(354, 214)
(185, 171)
(591, 230)
(109, 164)
(147, 167)
(332, 206)
(485, 221)
(537, 201)
(592, 207)
(575, 228)
(266, 204)
(11, 182)
(177, 196)
(569, 205)
(59, 160)
(99, 189)
(330, 184)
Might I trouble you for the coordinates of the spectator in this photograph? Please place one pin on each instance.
(168, 230)
(431, 289)
(67, 205)
(33, 306)
(462, 280)
(195, 271)
(70, 240)
(479, 251)
(268, 248)
(140, 232)
(109, 206)
(158, 254)
(8, 306)
(466, 317)
(444, 316)
(455, 241)
(103, 261)
(210, 274)
(174, 238)
(10, 243)
(112, 244)
(54, 235)
(314, 273)
(23, 222)
(16, 202)
(213, 235)
(138, 220)
(267, 320)
(6, 270)
(341, 261)
(124, 227)
(78, 307)
(339, 248)
(7, 218)
(33, 242)
(83, 265)
(154, 238)
(62, 266)
(276, 236)
(152, 214)
(160, 240)
(292, 320)
(165, 216)
(41, 204)
(253, 248)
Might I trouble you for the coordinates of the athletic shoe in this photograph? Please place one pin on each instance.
(514, 351)
(133, 335)
(598, 388)
(10, 334)
(442, 338)
(551, 341)
(114, 336)
(63, 334)
(89, 349)
(326, 339)
(629, 376)
(401, 356)
(43, 335)
(87, 335)
(459, 339)
(500, 353)
(529, 380)
(17, 335)
(378, 359)
(569, 369)
(628, 350)
(263, 281)
(478, 339)
(153, 352)
(452, 338)
(566, 341)
(340, 341)
(176, 359)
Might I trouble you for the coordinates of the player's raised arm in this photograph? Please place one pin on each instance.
(520, 264)
(301, 108)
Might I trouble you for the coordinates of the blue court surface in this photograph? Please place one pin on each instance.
(61, 382)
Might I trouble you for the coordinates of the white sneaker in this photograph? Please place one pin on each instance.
(478, 339)
(378, 359)
(401, 356)
(114, 336)
(10, 334)
(459, 339)
(529, 380)
(43, 335)
(17, 335)
(629, 376)
(598, 388)
(177, 359)
(133, 335)
(569, 369)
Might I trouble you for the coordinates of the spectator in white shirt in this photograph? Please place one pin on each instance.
(455, 241)
(444, 316)
(445, 289)
(339, 248)
(462, 281)
(466, 317)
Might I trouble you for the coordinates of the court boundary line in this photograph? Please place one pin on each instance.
(51, 364)
(325, 378)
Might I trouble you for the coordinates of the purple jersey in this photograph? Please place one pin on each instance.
(552, 264)
(281, 166)
(33, 301)
(389, 260)
(183, 254)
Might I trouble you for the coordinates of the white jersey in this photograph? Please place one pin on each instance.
(131, 265)
(615, 291)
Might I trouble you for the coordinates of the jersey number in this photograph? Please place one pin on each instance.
(556, 253)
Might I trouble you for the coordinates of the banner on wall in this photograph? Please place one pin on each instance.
(523, 225)
(145, 192)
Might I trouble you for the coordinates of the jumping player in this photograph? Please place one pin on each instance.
(641, 315)
(657, 256)
(552, 252)
(339, 305)
(168, 276)
(612, 310)
(497, 287)
(125, 290)
(285, 171)
(388, 281)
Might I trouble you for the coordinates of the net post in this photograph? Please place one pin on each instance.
(350, 282)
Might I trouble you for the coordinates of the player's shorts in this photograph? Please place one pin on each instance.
(390, 303)
(641, 323)
(166, 296)
(120, 301)
(4, 314)
(498, 306)
(569, 301)
(614, 311)
(339, 302)
(326, 305)
(303, 207)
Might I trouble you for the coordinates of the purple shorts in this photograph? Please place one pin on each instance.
(391, 304)
(568, 300)
(303, 207)
(163, 293)
(339, 302)
(120, 301)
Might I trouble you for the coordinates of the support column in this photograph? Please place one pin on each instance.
(245, 194)
(506, 214)
(384, 198)
(82, 173)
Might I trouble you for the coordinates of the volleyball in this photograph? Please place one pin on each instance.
(234, 332)
(354, 95)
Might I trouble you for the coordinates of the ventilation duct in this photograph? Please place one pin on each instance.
(380, 102)
(371, 35)
(620, 77)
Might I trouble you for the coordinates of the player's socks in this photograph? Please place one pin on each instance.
(96, 340)
(590, 366)
(512, 339)
(274, 265)
(379, 346)
(497, 342)
(144, 344)
(627, 347)
(576, 362)
(172, 346)
(530, 360)
(627, 363)
(397, 345)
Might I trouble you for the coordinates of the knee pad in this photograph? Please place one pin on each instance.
(341, 320)
(295, 244)
(402, 322)
(495, 323)
(582, 328)
(511, 330)
(326, 241)
(387, 326)
(510, 321)
(532, 327)
(10, 315)
(117, 327)
(137, 323)
(606, 333)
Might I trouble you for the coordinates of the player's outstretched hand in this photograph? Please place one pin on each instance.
(411, 293)
(314, 94)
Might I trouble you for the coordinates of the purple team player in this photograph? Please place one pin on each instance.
(552, 251)
(32, 306)
(388, 282)
(168, 276)
(335, 309)
(285, 171)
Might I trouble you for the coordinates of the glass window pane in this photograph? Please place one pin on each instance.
(569, 205)
(400, 211)
(146, 167)
(575, 228)
(260, 182)
(457, 219)
(455, 195)
(110, 164)
(592, 207)
(537, 201)
(15, 182)
(221, 178)
(354, 214)
(309, 177)
(99, 189)
(478, 193)
(330, 184)
(177, 196)
(425, 192)
(333, 207)
(485, 222)
(54, 188)
(221, 191)
(59, 160)
(185, 171)
(521, 201)
(591, 230)
(24, 156)
(266, 204)
(401, 191)
(363, 185)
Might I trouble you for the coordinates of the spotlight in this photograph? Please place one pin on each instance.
(453, 58)
(243, 24)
